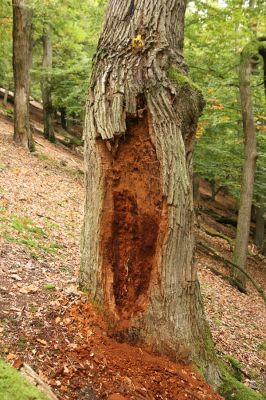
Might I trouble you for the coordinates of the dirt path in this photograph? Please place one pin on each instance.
(46, 322)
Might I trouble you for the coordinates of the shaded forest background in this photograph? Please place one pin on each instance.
(214, 37)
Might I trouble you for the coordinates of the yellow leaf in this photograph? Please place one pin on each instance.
(199, 131)
(11, 356)
(137, 42)
(261, 128)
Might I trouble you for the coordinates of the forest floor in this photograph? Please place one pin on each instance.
(46, 322)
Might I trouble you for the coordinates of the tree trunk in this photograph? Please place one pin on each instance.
(21, 69)
(264, 246)
(248, 57)
(5, 97)
(244, 213)
(253, 213)
(260, 227)
(48, 129)
(196, 186)
(63, 118)
(138, 244)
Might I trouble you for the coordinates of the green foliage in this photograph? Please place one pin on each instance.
(49, 286)
(262, 346)
(14, 387)
(6, 43)
(8, 111)
(23, 231)
(213, 55)
(75, 27)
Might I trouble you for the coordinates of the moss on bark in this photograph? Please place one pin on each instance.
(175, 75)
(232, 389)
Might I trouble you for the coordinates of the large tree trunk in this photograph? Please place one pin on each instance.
(21, 69)
(47, 63)
(138, 244)
(248, 58)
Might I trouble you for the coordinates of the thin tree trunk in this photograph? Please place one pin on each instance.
(63, 118)
(260, 236)
(5, 97)
(244, 213)
(47, 63)
(138, 244)
(260, 227)
(196, 186)
(248, 57)
(253, 213)
(264, 246)
(21, 69)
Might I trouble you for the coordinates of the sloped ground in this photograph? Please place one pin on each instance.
(47, 323)
(237, 320)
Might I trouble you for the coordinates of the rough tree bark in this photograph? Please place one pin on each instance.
(138, 244)
(21, 70)
(47, 63)
(249, 56)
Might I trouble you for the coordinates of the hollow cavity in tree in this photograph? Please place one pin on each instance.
(132, 217)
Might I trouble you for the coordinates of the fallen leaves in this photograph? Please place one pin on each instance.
(11, 356)
(16, 277)
(30, 289)
(70, 349)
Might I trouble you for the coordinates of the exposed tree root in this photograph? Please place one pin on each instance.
(203, 246)
(220, 235)
(227, 278)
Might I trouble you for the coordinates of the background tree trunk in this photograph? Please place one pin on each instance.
(138, 245)
(47, 63)
(5, 96)
(63, 118)
(244, 213)
(264, 246)
(248, 57)
(21, 69)
(196, 187)
(260, 227)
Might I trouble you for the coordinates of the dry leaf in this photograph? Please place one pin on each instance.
(42, 341)
(11, 356)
